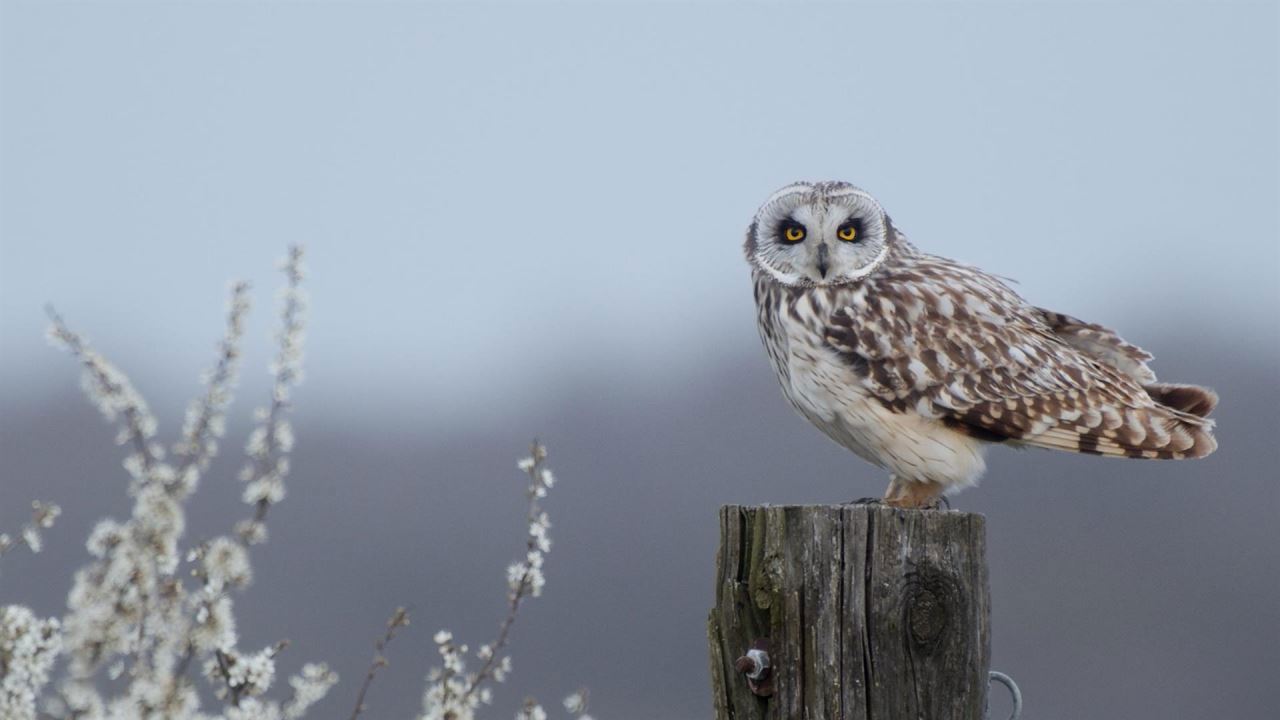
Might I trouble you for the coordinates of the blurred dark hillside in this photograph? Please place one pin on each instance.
(1121, 589)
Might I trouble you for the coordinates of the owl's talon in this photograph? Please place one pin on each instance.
(867, 501)
(939, 504)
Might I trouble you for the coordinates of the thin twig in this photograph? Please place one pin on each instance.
(518, 595)
(114, 384)
(271, 459)
(224, 667)
(399, 619)
(195, 451)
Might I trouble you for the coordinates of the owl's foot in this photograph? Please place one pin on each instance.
(942, 502)
(914, 495)
(866, 501)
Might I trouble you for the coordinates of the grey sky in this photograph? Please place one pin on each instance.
(499, 193)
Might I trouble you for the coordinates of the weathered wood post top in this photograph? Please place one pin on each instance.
(850, 612)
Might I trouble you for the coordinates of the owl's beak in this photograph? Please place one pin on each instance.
(823, 253)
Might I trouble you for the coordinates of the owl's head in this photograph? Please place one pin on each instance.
(828, 233)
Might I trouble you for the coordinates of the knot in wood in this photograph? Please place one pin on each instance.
(926, 617)
(932, 597)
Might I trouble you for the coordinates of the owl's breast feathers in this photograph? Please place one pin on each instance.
(943, 340)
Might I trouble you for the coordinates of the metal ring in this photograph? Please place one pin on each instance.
(1008, 682)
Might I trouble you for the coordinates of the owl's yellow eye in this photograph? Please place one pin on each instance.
(848, 233)
(793, 232)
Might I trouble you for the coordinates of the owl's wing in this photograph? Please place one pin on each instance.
(949, 342)
(1102, 343)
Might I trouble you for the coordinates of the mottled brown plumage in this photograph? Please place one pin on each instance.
(896, 354)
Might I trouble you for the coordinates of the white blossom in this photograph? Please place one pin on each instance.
(251, 532)
(214, 625)
(31, 537)
(502, 669)
(225, 563)
(132, 617)
(106, 536)
(531, 711)
(576, 703)
(253, 709)
(250, 674)
(309, 687)
(451, 690)
(28, 648)
(139, 634)
(42, 517)
(271, 441)
(205, 419)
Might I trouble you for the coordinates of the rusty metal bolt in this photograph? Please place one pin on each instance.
(756, 666)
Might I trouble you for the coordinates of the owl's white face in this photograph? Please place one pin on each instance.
(812, 234)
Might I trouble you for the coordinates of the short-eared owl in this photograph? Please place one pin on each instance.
(916, 362)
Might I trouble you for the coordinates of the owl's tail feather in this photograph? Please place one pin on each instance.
(1189, 399)
(1174, 427)
(1195, 439)
(1190, 425)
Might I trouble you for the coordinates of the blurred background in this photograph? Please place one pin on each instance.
(526, 219)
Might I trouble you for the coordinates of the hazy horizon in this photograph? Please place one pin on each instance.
(1093, 562)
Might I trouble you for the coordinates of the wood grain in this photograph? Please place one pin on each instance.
(870, 613)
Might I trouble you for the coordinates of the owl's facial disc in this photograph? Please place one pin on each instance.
(824, 234)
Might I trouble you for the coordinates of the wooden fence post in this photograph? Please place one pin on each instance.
(865, 613)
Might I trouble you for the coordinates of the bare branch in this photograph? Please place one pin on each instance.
(399, 619)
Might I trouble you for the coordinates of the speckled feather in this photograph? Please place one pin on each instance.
(969, 352)
(957, 349)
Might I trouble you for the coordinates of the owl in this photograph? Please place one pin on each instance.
(918, 363)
